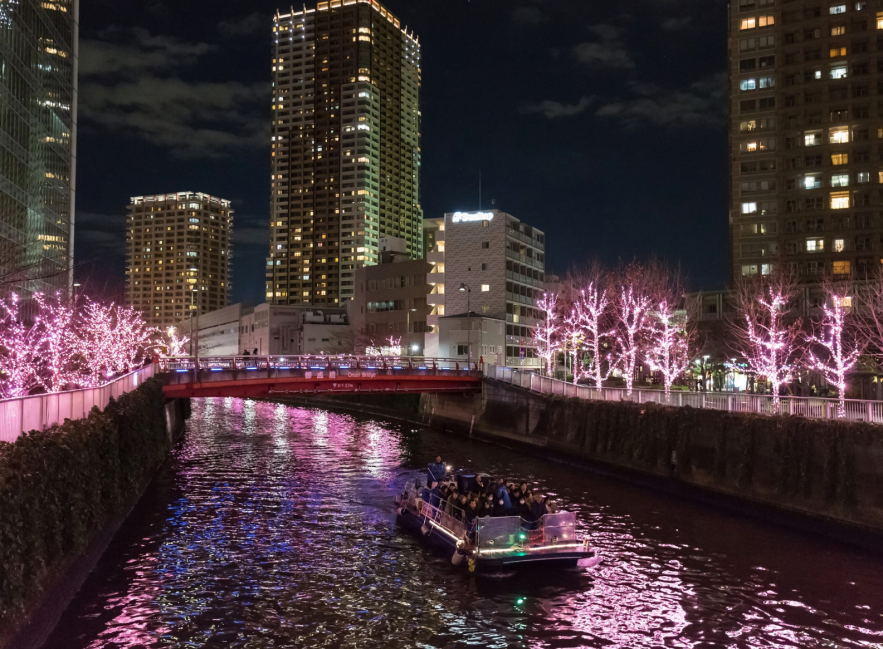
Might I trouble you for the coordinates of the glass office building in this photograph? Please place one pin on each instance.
(38, 116)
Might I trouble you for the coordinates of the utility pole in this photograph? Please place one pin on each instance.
(465, 287)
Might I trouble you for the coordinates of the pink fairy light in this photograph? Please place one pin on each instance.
(843, 347)
(175, 345)
(57, 325)
(591, 311)
(21, 353)
(668, 349)
(546, 334)
(767, 342)
(631, 315)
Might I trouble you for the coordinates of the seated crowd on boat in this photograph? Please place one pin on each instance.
(482, 497)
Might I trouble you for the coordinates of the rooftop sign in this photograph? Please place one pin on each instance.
(471, 217)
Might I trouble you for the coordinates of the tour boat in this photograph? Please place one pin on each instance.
(496, 543)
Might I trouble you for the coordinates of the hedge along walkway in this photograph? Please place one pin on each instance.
(57, 487)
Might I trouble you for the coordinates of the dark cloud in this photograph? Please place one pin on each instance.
(135, 51)
(606, 51)
(102, 234)
(674, 24)
(555, 109)
(137, 87)
(702, 104)
(529, 16)
(253, 24)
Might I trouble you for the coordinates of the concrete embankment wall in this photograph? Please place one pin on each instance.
(824, 475)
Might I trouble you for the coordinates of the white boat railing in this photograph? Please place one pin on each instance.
(41, 411)
(761, 404)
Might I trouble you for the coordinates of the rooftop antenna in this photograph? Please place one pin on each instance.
(479, 190)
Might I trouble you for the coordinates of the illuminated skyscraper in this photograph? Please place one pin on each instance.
(806, 136)
(346, 148)
(38, 128)
(178, 257)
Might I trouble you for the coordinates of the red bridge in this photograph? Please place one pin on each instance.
(267, 376)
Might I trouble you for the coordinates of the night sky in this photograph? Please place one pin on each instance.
(602, 123)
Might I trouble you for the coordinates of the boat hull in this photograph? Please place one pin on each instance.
(444, 543)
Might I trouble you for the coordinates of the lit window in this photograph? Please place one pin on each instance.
(840, 180)
(747, 84)
(767, 82)
(749, 208)
(842, 268)
(815, 245)
(840, 200)
(812, 139)
(864, 177)
(846, 302)
(838, 159)
(838, 245)
(812, 182)
(839, 30)
(749, 23)
(838, 9)
(766, 21)
(880, 20)
(838, 73)
(839, 135)
(836, 52)
(750, 146)
(485, 288)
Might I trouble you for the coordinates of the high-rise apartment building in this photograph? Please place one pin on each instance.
(38, 128)
(346, 147)
(178, 260)
(806, 136)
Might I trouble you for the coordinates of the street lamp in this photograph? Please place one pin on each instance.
(193, 334)
(408, 329)
(465, 288)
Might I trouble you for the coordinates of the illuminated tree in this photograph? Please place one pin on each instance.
(770, 345)
(57, 326)
(21, 351)
(546, 334)
(112, 340)
(592, 309)
(668, 348)
(630, 309)
(174, 345)
(839, 338)
(572, 333)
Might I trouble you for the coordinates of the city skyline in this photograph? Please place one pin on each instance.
(597, 135)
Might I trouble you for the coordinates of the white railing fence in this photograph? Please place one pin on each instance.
(814, 408)
(41, 411)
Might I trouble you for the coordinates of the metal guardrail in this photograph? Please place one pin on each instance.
(811, 407)
(41, 411)
(219, 363)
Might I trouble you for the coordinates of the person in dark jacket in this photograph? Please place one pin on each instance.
(502, 494)
(537, 508)
(439, 470)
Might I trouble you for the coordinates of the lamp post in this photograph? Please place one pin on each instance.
(408, 313)
(194, 348)
(465, 288)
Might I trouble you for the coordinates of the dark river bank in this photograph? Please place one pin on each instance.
(273, 526)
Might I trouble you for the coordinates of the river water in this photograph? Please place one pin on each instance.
(273, 526)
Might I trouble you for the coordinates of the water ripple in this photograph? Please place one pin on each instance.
(273, 526)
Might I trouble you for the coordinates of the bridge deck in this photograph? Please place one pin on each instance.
(245, 376)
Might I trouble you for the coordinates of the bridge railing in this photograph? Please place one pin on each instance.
(40, 411)
(257, 363)
(811, 407)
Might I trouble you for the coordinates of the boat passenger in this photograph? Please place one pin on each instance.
(432, 495)
(551, 505)
(523, 509)
(524, 487)
(502, 494)
(471, 514)
(438, 470)
(452, 502)
(537, 508)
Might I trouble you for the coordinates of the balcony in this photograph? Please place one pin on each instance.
(520, 236)
(434, 299)
(522, 259)
(435, 257)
